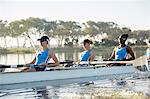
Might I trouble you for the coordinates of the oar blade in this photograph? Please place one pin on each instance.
(140, 62)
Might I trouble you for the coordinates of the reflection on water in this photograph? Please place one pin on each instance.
(134, 89)
(66, 55)
(41, 92)
(16, 58)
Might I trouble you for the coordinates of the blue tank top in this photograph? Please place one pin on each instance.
(121, 53)
(42, 57)
(86, 55)
(148, 52)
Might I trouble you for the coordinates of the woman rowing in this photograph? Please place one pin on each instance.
(122, 52)
(148, 52)
(88, 54)
(41, 60)
(148, 55)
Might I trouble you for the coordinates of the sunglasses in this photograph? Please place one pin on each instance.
(122, 39)
(42, 40)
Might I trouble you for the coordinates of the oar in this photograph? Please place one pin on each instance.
(141, 61)
(107, 62)
(21, 65)
(104, 62)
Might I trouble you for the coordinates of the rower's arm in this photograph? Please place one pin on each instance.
(33, 61)
(92, 57)
(112, 55)
(129, 50)
(53, 56)
(148, 53)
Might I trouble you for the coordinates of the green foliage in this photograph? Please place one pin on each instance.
(16, 28)
(108, 42)
(68, 43)
(4, 29)
(140, 42)
(61, 30)
(97, 44)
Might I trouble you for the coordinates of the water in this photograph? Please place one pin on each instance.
(135, 89)
(129, 87)
(66, 55)
(14, 59)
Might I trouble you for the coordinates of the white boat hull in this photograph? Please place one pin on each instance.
(67, 73)
(57, 77)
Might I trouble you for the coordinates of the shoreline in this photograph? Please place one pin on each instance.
(63, 49)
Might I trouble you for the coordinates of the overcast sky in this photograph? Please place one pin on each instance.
(134, 14)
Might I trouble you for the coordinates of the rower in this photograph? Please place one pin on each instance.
(87, 54)
(148, 55)
(122, 52)
(41, 60)
(148, 50)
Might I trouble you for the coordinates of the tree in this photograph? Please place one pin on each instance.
(16, 30)
(69, 29)
(91, 28)
(4, 31)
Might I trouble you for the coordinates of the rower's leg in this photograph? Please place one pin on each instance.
(28, 69)
(24, 69)
(31, 70)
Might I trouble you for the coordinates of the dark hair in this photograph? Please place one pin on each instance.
(124, 36)
(88, 41)
(43, 38)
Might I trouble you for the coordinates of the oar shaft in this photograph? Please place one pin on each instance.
(105, 62)
(10, 66)
(71, 62)
(21, 65)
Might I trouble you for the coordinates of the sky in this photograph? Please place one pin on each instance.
(134, 14)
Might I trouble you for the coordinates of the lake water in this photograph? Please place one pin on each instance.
(67, 54)
(134, 89)
(131, 88)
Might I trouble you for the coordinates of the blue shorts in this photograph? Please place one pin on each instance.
(83, 65)
(37, 68)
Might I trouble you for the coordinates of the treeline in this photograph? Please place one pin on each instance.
(69, 33)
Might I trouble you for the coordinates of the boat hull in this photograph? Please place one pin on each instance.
(64, 76)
